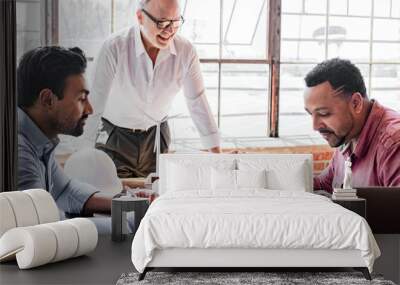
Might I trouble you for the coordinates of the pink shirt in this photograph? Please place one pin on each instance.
(376, 158)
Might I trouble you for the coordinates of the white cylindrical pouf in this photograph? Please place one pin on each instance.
(87, 235)
(67, 240)
(33, 246)
(23, 208)
(45, 205)
(7, 217)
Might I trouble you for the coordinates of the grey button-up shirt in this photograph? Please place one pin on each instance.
(37, 168)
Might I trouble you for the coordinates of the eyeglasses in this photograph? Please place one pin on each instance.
(165, 24)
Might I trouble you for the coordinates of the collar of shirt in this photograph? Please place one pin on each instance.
(164, 53)
(28, 128)
(367, 133)
(346, 149)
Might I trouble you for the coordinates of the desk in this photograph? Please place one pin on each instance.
(104, 265)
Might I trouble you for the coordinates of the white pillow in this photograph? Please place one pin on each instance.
(228, 179)
(292, 179)
(281, 174)
(251, 178)
(223, 179)
(182, 177)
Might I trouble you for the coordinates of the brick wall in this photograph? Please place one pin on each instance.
(321, 153)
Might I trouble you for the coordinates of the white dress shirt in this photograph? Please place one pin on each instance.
(129, 92)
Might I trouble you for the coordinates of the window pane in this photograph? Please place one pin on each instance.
(244, 100)
(201, 26)
(382, 9)
(389, 52)
(315, 6)
(294, 125)
(90, 26)
(387, 30)
(395, 8)
(303, 38)
(243, 130)
(125, 14)
(360, 7)
(303, 27)
(84, 23)
(349, 28)
(28, 26)
(385, 85)
(245, 29)
(350, 50)
(306, 51)
(292, 6)
(293, 119)
(338, 7)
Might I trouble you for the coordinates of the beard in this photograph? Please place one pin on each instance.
(333, 139)
(72, 128)
(338, 137)
(78, 130)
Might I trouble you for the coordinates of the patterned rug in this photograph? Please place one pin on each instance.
(230, 278)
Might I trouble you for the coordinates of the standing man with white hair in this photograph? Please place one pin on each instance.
(138, 73)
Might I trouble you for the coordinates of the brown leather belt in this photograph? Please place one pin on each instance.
(137, 131)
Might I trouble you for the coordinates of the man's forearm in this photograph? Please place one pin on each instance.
(98, 203)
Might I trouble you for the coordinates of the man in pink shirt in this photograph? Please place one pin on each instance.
(360, 129)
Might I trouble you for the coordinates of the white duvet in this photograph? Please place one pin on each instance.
(250, 219)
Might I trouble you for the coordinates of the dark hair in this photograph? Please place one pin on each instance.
(47, 67)
(338, 72)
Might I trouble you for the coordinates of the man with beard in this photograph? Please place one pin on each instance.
(362, 130)
(138, 73)
(53, 100)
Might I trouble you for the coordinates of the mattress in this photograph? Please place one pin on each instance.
(251, 219)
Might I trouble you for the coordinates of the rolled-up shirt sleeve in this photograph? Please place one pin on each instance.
(69, 194)
(197, 103)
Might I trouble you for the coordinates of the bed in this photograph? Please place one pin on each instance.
(246, 211)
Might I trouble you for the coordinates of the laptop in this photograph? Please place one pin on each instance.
(383, 208)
